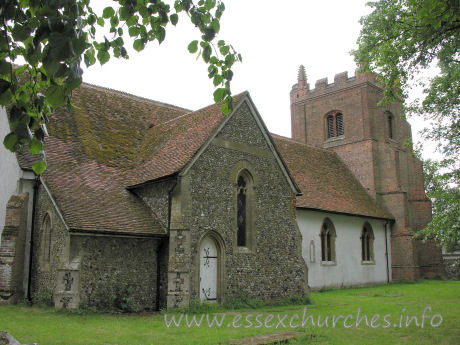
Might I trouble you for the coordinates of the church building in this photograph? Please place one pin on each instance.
(163, 205)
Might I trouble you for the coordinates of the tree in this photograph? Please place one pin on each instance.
(399, 40)
(443, 189)
(51, 38)
(402, 38)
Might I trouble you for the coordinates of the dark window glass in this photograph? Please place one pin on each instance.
(241, 235)
(390, 127)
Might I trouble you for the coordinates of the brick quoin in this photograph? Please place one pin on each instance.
(383, 165)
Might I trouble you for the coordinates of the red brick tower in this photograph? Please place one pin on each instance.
(372, 140)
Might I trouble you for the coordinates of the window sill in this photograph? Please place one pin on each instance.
(393, 143)
(243, 250)
(334, 141)
(328, 263)
(372, 262)
(340, 137)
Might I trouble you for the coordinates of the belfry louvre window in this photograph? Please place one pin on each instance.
(367, 243)
(390, 125)
(327, 241)
(334, 125)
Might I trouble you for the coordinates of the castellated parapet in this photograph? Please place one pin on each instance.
(302, 91)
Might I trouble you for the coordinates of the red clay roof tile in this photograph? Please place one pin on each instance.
(326, 182)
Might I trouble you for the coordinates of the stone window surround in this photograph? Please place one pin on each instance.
(46, 243)
(333, 236)
(244, 167)
(371, 244)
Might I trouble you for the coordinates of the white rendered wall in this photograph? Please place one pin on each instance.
(10, 171)
(348, 269)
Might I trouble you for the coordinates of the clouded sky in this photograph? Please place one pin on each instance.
(274, 38)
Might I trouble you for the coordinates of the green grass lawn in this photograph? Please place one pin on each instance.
(47, 326)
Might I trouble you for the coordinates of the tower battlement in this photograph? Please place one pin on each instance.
(301, 90)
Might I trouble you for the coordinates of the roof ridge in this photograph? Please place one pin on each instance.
(191, 112)
(302, 144)
(124, 93)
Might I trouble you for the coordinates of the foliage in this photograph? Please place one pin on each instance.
(442, 184)
(114, 297)
(43, 297)
(402, 38)
(50, 39)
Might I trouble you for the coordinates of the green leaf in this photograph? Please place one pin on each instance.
(144, 11)
(35, 146)
(134, 31)
(210, 4)
(217, 79)
(209, 34)
(174, 18)
(5, 97)
(108, 12)
(91, 19)
(4, 85)
(39, 167)
(212, 70)
(221, 43)
(207, 53)
(124, 13)
(228, 75)
(103, 56)
(161, 34)
(5, 68)
(60, 46)
(138, 45)
(224, 50)
(227, 107)
(114, 21)
(100, 21)
(79, 44)
(56, 96)
(193, 47)
(20, 33)
(215, 25)
(219, 94)
(89, 57)
(11, 142)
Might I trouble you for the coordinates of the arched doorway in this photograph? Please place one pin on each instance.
(209, 269)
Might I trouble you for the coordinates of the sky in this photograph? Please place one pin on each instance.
(274, 39)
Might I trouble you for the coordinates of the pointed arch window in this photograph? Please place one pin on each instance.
(367, 243)
(327, 236)
(46, 243)
(244, 210)
(241, 209)
(334, 124)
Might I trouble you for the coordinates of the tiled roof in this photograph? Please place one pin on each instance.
(88, 152)
(169, 146)
(326, 182)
